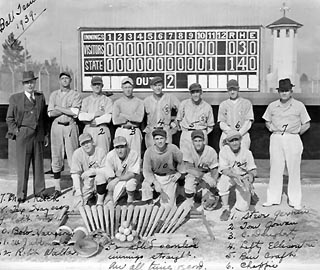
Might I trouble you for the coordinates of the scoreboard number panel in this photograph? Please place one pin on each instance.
(208, 55)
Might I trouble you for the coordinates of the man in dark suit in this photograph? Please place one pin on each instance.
(27, 125)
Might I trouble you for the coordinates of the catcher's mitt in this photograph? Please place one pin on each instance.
(210, 201)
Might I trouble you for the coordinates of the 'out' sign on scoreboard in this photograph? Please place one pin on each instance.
(181, 56)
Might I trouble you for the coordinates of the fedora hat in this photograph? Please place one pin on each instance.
(28, 76)
(285, 84)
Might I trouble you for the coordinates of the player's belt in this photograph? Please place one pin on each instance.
(128, 127)
(64, 123)
(161, 174)
(95, 125)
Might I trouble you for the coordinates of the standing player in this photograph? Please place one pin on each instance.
(201, 163)
(237, 168)
(96, 111)
(64, 105)
(161, 163)
(287, 119)
(194, 113)
(235, 113)
(158, 109)
(127, 113)
(125, 164)
(85, 173)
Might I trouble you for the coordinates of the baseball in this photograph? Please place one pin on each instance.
(122, 238)
(125, 224)
(127, 231)
(130, 237)
(118, 236)
(121, 229)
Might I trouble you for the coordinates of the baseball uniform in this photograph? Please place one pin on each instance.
(97, 127)
(159, 166)
(285, 148)
(132, 163)
(240, 163)
(64, 130)
(192, 117)
(82, 162)
(235, 114)
(203, 164)
(159, 115)
(128, 113)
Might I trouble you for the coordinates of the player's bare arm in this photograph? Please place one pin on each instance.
(304, 128)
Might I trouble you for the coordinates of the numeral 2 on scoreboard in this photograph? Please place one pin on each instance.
(170, 81)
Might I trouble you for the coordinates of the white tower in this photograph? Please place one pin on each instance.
(284, 55)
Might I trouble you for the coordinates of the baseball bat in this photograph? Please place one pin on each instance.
(186, 210)
(167, 209)
(176, 216)
(90, 217)
(142, 212)
(135, 217)
(123, 214)
(107, 218)
(100, 216)
(130, 212)
(156, 219)
(118, 215)
(169, 217)
(151, 219)
(62, 212)
(94, 212)
(111, 209)
(84, 217)
(146, 218)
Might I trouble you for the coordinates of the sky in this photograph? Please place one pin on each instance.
(57, 26)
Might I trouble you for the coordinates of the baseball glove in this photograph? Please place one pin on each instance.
(210, 201)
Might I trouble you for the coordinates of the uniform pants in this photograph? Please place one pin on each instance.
(245, 141)
(123, 186)
(190, 185)
(63, 139)
(186, 141)
(29, 150)
(101, 136)
(285, 149)
(133, 137)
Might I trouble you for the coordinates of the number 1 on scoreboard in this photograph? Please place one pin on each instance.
(170, 82)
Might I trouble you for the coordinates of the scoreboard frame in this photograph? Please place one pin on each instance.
(180, 55)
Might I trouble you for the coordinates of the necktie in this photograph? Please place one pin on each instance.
(32, 98)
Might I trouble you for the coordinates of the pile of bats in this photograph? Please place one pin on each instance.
(145, 219)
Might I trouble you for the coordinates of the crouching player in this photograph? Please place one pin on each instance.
(161, 163)
(125, 166)
(237, 168)
(201, 164)
(85, 172)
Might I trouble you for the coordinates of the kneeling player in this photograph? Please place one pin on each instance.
(236, 164)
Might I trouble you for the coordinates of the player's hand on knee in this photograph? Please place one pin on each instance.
(174, 177)
(88, 173)
(157, 186)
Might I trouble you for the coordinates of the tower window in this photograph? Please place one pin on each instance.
(287, 33)
(278, 33)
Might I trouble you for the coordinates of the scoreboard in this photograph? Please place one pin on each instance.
(207, 55)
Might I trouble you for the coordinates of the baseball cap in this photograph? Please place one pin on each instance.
(156, 80)
(127, 80)
(119, 141)
(231, 134)
(195, 87)
(84, 137)
(66, 73)
(159, 132)
(197, 134)
(96, 80)
(232, 84)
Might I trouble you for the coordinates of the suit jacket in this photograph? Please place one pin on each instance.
(16, 111)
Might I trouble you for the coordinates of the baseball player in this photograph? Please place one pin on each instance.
(64, 105)
(158, 108)
(287, 119)
(194, 113)
(127, 113)
(96, 112)
(235, 113)
(126, 165)
(201, 163)
(161, 164)
(85, 173)
(237, 168)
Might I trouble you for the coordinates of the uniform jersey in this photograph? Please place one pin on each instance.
(159, 110)
(130, 164)
(234, 114)
(69, 99)
(132, 107)
(242, 162)
(207, 160)
(286, 119)
(193, 116)
(161, 163)
(82, 162)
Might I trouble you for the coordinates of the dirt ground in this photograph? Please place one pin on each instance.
(264, 238)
